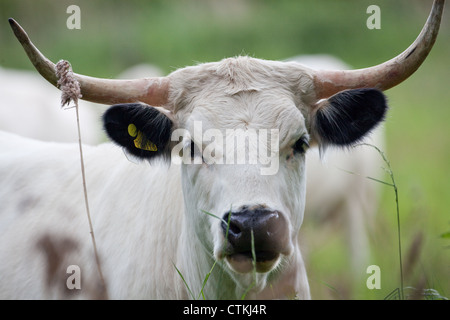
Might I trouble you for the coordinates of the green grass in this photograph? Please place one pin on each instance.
(172, 34)
(417, 277)
(205, 280)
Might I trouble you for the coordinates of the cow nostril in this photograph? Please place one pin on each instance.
(234, 229)
(229, 226)
(244, 208)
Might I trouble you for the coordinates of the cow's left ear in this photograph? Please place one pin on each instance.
(348, 116)
(142, 130)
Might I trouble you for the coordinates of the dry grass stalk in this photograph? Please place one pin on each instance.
(70, 91)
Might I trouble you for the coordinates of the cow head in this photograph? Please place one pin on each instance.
(240, 129)
(247, 210)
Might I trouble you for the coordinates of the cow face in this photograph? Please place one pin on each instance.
(240, 129)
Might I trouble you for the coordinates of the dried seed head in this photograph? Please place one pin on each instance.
(69, 86)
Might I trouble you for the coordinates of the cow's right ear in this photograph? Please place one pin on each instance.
(142, 130)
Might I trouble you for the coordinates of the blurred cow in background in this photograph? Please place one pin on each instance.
(30, 107)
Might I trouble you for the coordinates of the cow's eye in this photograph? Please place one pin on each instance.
(189, 149)
(195, 151)
(301, 145)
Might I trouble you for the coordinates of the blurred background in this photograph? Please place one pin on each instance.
(116, 35)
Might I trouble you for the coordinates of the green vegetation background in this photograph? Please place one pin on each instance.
(170, 34)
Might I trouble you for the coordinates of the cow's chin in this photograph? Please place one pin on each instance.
(243, 262)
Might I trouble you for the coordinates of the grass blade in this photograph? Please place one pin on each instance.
(393, 185)
(181, 275)
(214, 264)
(206, 280)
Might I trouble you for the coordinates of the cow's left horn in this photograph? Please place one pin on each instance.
(153, 91)
(389, 73)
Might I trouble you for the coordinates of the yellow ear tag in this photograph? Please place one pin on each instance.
(133, 132)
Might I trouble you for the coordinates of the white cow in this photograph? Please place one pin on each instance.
(239, 220)
(349, 197)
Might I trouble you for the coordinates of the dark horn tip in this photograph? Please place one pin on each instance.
(19, 32)
(13, 23)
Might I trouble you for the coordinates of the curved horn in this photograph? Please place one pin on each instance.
(153, 91)
(388, 74)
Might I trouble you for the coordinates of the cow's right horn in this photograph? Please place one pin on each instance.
(153, 91)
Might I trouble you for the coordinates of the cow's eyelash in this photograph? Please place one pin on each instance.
(301, 145)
